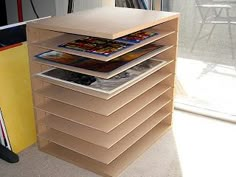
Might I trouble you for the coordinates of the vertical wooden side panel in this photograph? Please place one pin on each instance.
(34, 35)
(176, 28)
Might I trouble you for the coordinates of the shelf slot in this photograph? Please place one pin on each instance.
(52, 44)
(98, 153)
(102, 93)
(103, 139)
(98, 121)
(170, 40)
(99, 105)
(119, 164)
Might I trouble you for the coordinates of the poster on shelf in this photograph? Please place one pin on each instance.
(108, 86)
(137, 37)
(99, 46)
(99, 68)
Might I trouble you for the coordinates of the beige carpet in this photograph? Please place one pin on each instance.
(196, 146)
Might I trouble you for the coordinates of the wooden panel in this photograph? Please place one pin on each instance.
(105, 75)
(98, 153)
(119, 164)
(107, 140)
(107, 23)
(171, 25)
(53, 44)
(170, 54)
(99, 105)
(98, 121)
(105, 95)
(35, 34)
(170, 40)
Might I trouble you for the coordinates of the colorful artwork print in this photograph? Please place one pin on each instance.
(104, 85)
(94, 45)
(59, 57)
(95, 65)
(137, 36)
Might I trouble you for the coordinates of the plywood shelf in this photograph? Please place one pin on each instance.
(98, 153)
(107, 140)
(107, 23)
(103, 129)
(100, 122)
(99, 105)
(119, 164)
(52, 44)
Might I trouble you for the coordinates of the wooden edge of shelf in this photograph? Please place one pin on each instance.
(99, 17)
(106, 140)
(52, 44)
(119, 164)
(99, 153)
(99, 105)
(100, 122)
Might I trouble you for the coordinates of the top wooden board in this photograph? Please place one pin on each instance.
(106, 22)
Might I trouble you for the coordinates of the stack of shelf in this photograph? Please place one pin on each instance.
(103, 131)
